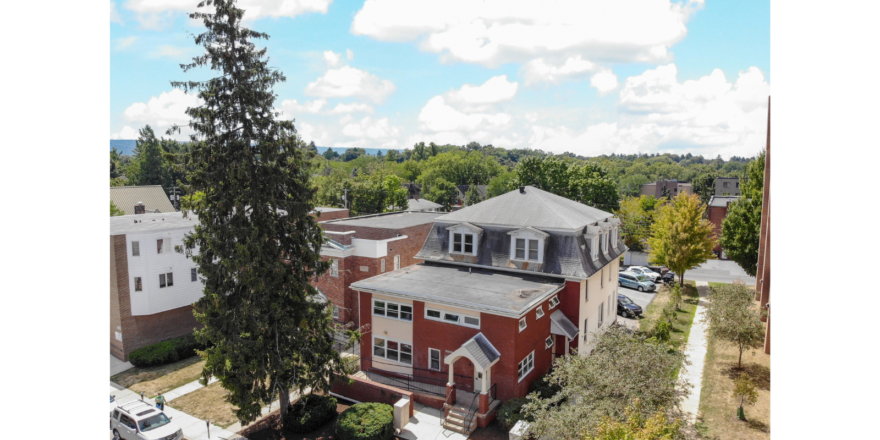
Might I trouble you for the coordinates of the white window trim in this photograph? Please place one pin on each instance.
(463, 230)
(399, 310)
(548, 342)
(439, 359)
(443, 319)
(334, 268)
(523, 324)
(134, 284)
(191, 274)
(382, 269)
(614, 238)
(539, 312)
(138, 243)
(400, 344)
(594, 248)
(525, 374)
(553, 303)
(335, 311)
(526, 235)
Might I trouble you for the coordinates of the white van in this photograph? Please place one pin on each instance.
(138, 420)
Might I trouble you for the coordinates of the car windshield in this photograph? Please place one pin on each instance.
(625, 301)
(153, 422)
(642, 278)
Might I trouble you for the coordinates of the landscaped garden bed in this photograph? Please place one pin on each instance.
(683, 318)
(270, 427)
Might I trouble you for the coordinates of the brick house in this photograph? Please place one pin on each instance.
(506, 286)
(362, 247)
(152, 288)
(715, 212)
(673, 186)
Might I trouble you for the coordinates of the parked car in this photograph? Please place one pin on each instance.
(636, 281)
(138, 420)
(112, 406)
(644, 271)
(627, 308)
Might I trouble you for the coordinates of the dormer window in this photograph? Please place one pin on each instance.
(593, 236)
(463, 239)
(527, 244)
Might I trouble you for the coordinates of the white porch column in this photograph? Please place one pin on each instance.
(451, 379)
(566, 346)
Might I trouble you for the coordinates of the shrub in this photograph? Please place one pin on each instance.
(165, 352)
(511, 412)
(310, 413)
(544, 387)
(366, 421)
(662, 330)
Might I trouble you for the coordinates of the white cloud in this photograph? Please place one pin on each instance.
(122, 43)
(156, 14)
(127, 133)
(437, 116)
(349, 82)
(290, 108)
(539, 70)
(354, 107)
(496, 89)
(173, 52)
(494, 32)
(375, 129)
(605, 82)
(114, 14)
(163, 111)
(314, 133)
(333, 59)
(349, 54)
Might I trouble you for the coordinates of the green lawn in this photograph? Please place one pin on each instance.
(684, 318)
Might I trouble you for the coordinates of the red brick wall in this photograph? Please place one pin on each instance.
(716, 215)
(368, 391)
(325, 216)
(569, 303)
(366, 319)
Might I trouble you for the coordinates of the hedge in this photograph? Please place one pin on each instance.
(544, 388)
(165, 352)
(511, 412)
(366, 421)
(310, 413)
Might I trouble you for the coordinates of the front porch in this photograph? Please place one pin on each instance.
(465, 411)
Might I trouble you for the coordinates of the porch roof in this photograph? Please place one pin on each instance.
(561, 325)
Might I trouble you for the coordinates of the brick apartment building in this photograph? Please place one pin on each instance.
(330, 213)
(152, 288)
(362, 247)
(673, 186)
(764, 267)
(716, 211)
(506, 286)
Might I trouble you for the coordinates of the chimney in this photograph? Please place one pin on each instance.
(140, 208)
(522, 190)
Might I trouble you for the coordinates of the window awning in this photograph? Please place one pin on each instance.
(561, 325)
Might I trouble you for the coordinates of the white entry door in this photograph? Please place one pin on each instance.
(478, 382)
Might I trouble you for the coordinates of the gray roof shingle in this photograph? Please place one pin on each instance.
(482, 351)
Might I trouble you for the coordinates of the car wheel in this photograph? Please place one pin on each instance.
(641, 289)
(626, 314)
(116, 435)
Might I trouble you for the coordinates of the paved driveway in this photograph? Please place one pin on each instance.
(719, 271)
(640, 298)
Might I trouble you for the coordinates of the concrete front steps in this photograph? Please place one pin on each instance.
(456, 420)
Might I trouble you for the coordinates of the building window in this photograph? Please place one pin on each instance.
(435, 314)
(539, 312)
(163, 245)
(586, 328)
(193, 274)
(137, 284)
(602, 278)
(601, 314)
(166, 279)
(396, 262)
(522, 324)
(553, 302)
(594, 247)
(609, 274)
(335, 312)
(463, 243)
(586, 290)
(725, 184)
(526, 366)
(548, 342)
(433, 359)
(392, 310)
(383, 265)
(392, 350)
(452, 318)
(135, 249)
(526, 247)
(334, 268)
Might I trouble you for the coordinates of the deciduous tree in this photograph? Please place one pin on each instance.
(741, 228)
(443, 192)
(638, 427)
(681, 238)
(733, 319)
(256, 244)
(744, 390)
(622, 368)
(114, 211)
(472, 196)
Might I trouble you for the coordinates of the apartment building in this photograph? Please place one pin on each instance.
(152, 288)
(506, 286)
(366, 246)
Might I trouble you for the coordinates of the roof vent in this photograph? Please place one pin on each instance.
(522, 190)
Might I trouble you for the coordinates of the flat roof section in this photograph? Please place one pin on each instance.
(125, 224)
(328, 209)
(486, 290)
(391, 220)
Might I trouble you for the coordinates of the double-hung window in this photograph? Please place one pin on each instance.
(335, 312)
(403, 312)
(137, 284)
(193, 274)
(135, 249)
(463, 243)
(526, 366)
(334, 268)
(383, 265)
(163, 245)
(526, 247)
(392, 350)
(166, 279)
(433, 359)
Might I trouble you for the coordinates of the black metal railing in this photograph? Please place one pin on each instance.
(410, 383)
(471, 412)
(493, 392)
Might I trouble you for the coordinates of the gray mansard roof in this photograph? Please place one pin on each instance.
(532, 207)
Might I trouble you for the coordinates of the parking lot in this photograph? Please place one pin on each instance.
(640, 298)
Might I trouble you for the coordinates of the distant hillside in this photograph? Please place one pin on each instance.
(123, 145)
(370, 151)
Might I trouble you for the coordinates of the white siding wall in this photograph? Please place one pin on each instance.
(598, 294)
(153, 299)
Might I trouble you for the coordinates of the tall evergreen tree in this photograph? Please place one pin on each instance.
(150, 168)
(256, 245)
(741, 228)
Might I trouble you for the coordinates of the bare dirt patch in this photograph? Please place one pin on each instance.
(207, 403)
(162, 378)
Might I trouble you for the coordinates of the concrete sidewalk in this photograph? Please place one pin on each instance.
(696, 353)
(117, 366)
(186, 389)
(193, 428)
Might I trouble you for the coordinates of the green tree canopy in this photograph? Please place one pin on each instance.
(472, 196)
(733, 319)
(636, 218)
(587, 182)
(150, 166)
(330, 154)
(681, 238)
(741, 228)
(442, 192)
(501, 184)
(257, 245)
(114, 211)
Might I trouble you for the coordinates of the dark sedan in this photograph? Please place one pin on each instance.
(627, 308)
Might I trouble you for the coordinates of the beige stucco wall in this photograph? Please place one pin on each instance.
(401, 331)
(600, 292)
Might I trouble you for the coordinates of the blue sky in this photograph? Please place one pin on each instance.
(588, 77)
